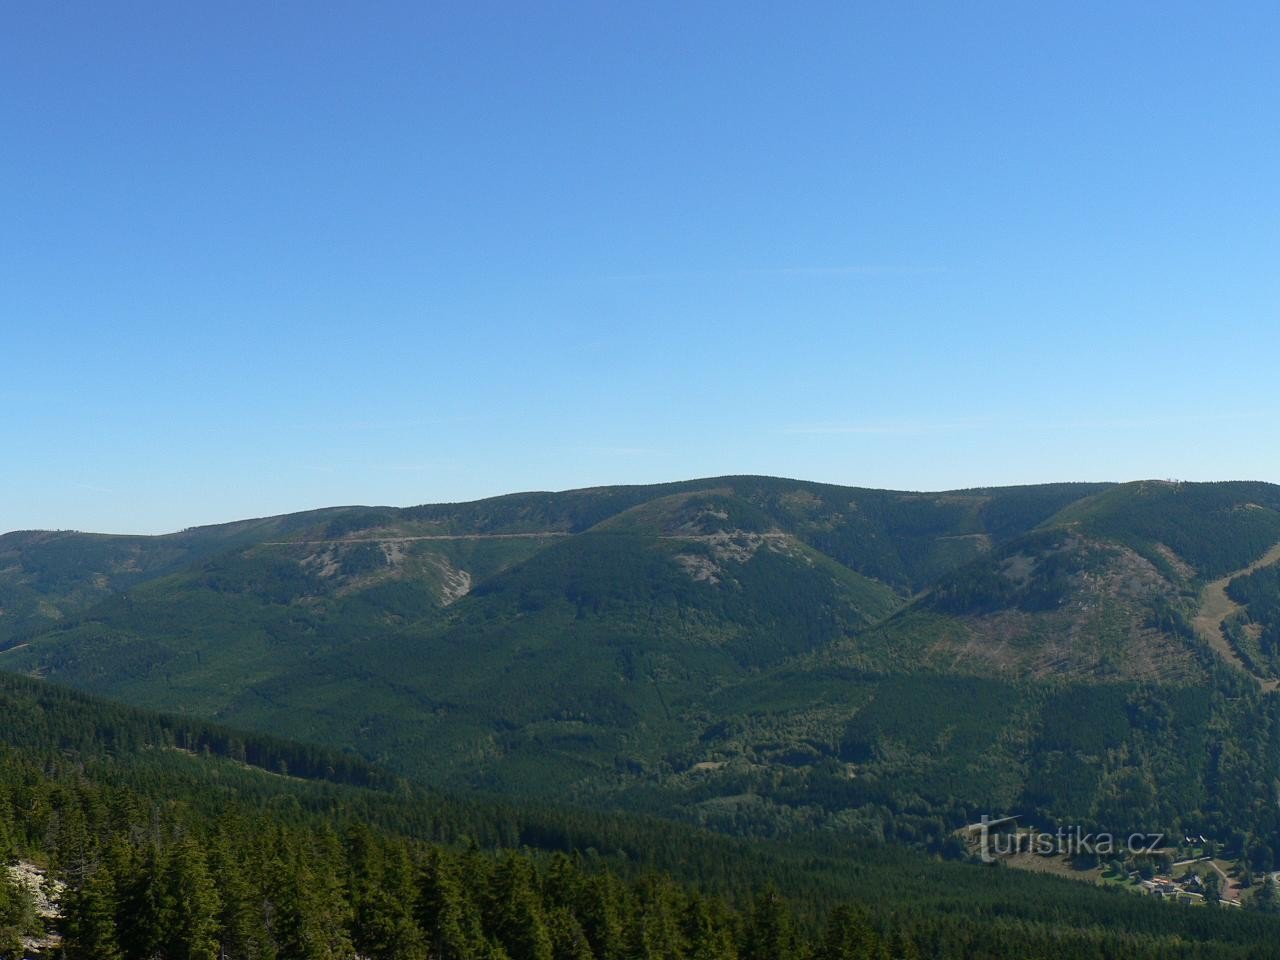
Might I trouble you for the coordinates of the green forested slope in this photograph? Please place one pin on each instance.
(167, 846)
(46, 576)
(1255, 630)
(1214, 527)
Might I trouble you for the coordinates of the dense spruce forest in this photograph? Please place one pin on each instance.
(174, 839)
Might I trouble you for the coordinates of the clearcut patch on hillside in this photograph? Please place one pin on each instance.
(1216, 607)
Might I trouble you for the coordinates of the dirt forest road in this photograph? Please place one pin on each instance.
(539, 535)
(1216, 607)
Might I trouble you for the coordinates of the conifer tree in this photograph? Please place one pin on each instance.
(655, 932)
(17, 915)
(242, 932)
(381, 900)
(1266, 900)
(147, 908)
(446, 914)
(600, 908)
(1212, 889)
(849, 936)
(89, 918)
(192, 924)
(568, 941)
(902, 946)
(6, 830)
(770, 931)
(515, 910)
(707, 937)
(311, 913)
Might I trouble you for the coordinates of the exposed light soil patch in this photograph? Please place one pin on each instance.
(1179, 566)
(455, 583)
(1216, 607)
(700, 567)
(730, 546)
(46, 892)
(393, 551)
(441, 536)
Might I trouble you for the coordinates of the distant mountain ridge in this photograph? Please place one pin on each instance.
(752, 653)
(45, 575)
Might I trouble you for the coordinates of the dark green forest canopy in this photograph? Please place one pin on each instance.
(171, 852)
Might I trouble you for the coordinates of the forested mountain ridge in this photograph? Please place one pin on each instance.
(47, 575)
(753, 654)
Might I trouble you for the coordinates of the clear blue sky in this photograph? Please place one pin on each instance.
(259, 257)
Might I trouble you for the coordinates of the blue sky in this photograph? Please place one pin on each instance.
(256, 258)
